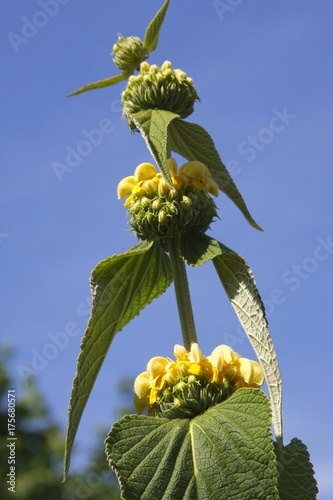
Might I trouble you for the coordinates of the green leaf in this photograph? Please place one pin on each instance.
(197, 248)
(152, 32)
(227, 452)
(295, 472)
(194, 143)
(112, 80)
(153, 125)
(240, 286)
(121, 285)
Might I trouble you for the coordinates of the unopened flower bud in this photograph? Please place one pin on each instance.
(159, 88)
(163, 188)
(150, 187)
(162, 217)
(186, 201)
(145, 202)
(129, 53)
(156, 204)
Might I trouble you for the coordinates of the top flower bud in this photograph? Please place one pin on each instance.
(129, 53)
(159, 88)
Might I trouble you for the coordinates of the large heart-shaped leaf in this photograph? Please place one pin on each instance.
(194, 143)
(240, 286)
(225, 453)
(121, 285)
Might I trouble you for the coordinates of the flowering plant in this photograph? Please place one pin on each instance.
(207, 431)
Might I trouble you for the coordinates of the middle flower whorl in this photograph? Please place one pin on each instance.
(160, 211)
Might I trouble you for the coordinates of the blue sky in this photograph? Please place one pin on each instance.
(263, 74)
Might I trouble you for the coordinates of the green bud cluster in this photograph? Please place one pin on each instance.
(129, 53)
(189, 398)
(161, 217)
(159, 88)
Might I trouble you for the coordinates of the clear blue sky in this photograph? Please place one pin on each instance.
(264, 76)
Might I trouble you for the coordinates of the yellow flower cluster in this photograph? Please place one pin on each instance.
(146, 181)
(224, 368)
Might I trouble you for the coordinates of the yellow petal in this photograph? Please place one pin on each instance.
(172, 165)
(156, 366)
(125, 187)
(195, 169)
(212, 187)
(153, 396)
(129, 200)
(195, 369)
(199, 184)
(244, 369)
(217, 358)
(142, 385)
(196, 355)
(158, 383)
(257, 374)
(140, 403)
(144, 172)
(180, 352)
(250, 371)
(229, 356)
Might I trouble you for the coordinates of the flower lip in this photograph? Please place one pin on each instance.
(192, 173)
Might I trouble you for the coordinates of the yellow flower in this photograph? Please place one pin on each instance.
(133, 185)
(146, 181)
(170, 387)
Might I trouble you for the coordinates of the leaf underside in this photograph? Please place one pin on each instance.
(194, 143)
(240, 287)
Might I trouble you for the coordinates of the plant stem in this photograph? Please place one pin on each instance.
(182, 294)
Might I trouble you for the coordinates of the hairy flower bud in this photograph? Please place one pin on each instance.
(159, 88)
(129, 53)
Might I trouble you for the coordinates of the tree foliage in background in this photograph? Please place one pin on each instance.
(40, 448)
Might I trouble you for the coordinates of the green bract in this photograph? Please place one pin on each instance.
(190, 398)
(171, 215)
